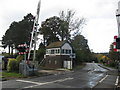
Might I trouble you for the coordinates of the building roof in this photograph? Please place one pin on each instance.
(57, 44)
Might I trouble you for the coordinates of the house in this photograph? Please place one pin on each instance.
(59, 55)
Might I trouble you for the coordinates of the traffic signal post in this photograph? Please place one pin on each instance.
(22, 50)
(25, 68)
(116, 44)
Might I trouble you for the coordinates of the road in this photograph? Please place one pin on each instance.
(91, 76)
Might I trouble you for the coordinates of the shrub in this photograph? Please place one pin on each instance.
(112, 64)
(12, 65)
(19, 58)
(40, 54)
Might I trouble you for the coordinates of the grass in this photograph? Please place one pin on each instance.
(11, 75)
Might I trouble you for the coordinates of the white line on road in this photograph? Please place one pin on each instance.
(103, 79)
(90, 71)
(29, 82)
(61, 80)
(117, 80)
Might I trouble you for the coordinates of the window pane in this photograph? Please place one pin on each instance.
(52, 52)
(69, 51)
(63, 51)
(66, 51)
(58, 50)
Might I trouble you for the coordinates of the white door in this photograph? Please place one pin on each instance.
(68, 64)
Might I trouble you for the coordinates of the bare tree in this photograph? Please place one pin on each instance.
(75, 25)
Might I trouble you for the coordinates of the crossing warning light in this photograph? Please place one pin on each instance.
(116, 44)
(23, 49)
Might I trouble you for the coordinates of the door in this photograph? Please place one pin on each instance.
(68, 64)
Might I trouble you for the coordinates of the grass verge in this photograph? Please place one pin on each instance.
(11, 75)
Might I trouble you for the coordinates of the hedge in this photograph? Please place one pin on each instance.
(12, 65)
(19, 58)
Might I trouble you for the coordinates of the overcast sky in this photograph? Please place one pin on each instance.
(100, 14)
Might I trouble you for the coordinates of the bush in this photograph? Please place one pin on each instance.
(112, 64)
(40, 54)
(12, 65)
(19, 58)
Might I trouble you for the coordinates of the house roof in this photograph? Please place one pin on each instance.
(57, 44)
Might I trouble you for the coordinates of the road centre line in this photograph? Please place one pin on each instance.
(103, 79)
(61, 80)
(117, 80)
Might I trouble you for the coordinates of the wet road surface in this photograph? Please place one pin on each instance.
(91, 76)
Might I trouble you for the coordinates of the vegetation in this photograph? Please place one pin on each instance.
(64, 27)
(73, 24)
(19, 58)
(107, 59)
(18, 33)
(11, 75)
(40, 53)
(61, 28)
(114, 57)
(80, 45)
(12, 65)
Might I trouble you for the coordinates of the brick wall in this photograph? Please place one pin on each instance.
(55, 61)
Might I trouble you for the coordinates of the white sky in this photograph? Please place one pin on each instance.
(101, 20)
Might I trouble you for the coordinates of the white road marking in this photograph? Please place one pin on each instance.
(90, 71)
(117, 80)
(61, 80)
(103, 78)
(28, 82)
(31, 86)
